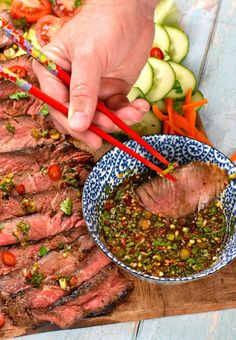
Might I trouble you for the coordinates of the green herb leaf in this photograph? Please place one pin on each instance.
(36, 279)
(20, 22)
(66, 206)
(44, 110)
(1, 227)
(10, 128)
(61, 245)
(177, 87)
(23, 227)
(43, 251)
(19, 95)
(77, 3)
(52, 2)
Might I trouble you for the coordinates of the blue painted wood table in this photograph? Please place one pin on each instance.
(211, 25)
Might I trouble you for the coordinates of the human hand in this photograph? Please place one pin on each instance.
(104, 47)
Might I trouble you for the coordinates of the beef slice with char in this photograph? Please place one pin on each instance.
(33, 159)
(197, 184)
(47, 202)
(50, 292)
(29, 253)
(10, 108)
(97, 296)
(55, 262)
(22, 136)
(38, 226)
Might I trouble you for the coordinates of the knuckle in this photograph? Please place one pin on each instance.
(82, 90)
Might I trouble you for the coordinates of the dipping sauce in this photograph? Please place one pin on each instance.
(159, 246)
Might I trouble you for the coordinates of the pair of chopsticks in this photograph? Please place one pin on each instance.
(65, 78)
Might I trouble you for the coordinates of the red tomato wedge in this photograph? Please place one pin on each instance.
(20, 189)
(8, 258)
(2, 319)
(64, 8)
(156, 53)
(30, 10)
(54, 172)
(19, 70)
(47, 28)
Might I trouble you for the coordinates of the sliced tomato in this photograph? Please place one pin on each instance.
(47, 28)
(64, 8)
(19, 70)
(54, 172)
(30, 10)
(8, 258)
(2, 319)
(156, 53)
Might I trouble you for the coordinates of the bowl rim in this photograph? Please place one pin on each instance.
(133, 272)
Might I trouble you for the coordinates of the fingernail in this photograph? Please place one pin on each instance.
(79, 121)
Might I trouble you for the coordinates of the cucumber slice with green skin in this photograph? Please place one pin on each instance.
(178, 105)
(162, 106)
(161, 39)
(167, 13)
(179, 44)
(186, 79)
(149, 125)
(163, 80)
(135, 93)
(145, 79)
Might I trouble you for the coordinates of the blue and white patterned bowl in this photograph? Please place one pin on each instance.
(110, 171)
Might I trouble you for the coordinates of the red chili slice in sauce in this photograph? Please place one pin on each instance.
(19, 70)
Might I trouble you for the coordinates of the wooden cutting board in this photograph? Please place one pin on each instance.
(151, 301)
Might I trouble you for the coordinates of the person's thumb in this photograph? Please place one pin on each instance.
(84, 89)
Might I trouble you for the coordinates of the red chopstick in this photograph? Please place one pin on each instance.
(26, 86)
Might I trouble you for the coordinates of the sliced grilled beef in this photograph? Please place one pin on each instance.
(6, 87)
(37, 227)
(96, 297)
(10, 108)
(33, 159)
(63, 262)
(47, 202)
(16, 134)
(197, 184)
(27, 254)
(48, 294)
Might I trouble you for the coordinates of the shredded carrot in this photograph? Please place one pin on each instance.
(177, 130)
(166, 126)
(158, 113)
(181, 122)
(192, 122)
(194, 105)
(170, 111)
(188, 96)
(233, 157)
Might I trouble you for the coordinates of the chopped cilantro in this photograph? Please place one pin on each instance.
(36, 279)
(177, 87)
(66, 206)
(10, 128)
(44, 110)
(61, 245)
(19, 95)
(43, 251)
(23, 227)
(52, 2)
(1, 227)
(20, 22)
(77, 3)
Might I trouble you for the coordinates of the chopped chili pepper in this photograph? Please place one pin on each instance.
(8, 258)
(54, 172)
(20, 189)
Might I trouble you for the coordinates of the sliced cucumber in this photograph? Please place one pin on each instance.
(145, 80)
(135, 93)
(161, 39)
(163, 79)
(178, 104)
(179, 45)
(167, 13)
(149, 125)
(197, 96)
(162, 106)
(185, 80)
